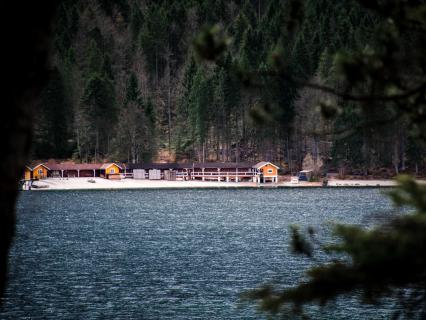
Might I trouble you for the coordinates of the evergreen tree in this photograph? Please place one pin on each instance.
(153, 38)
(53, 124)
(183, 141)
(136, 21)
(132, 91)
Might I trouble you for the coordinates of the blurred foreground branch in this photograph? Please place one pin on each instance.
(388, 260)
(385, 80)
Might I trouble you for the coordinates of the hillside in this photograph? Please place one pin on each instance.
(127, 86)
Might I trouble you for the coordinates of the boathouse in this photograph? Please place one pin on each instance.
(83, 170)
(36, 171)
(74, 170)
(27, 173)
(111, 171)
(157, 171)
(266, 171)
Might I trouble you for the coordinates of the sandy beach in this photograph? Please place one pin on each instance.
(100, 183)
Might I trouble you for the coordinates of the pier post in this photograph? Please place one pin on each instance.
(218, 174)
(202, 172)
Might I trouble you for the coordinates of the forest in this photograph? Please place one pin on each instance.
(127, 85)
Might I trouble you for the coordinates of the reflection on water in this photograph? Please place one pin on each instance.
(168, 254)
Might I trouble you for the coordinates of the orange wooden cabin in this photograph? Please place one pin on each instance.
(267, 171)
(36, 172)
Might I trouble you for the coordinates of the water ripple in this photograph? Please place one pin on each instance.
(169, 254)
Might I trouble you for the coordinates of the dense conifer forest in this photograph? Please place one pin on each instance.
(127, 85)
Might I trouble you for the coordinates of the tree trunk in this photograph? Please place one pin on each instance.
(288, 156)
(25, 73)
(396, 158)
(78, 144)
(259, 3)
(156, 68)
(96, 145)
(402, 154)
(204, 152)
(169, 112)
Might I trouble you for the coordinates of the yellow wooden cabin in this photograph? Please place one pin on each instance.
(111, 170)
(36, 172)
(267, 171)
(27, 173)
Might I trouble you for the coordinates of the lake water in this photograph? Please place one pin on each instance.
(171, 254)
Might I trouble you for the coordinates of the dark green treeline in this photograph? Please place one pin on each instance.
(126, 85)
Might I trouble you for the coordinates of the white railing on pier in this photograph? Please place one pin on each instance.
(181, 174)
(127, 175)
(223, 174)
(199, 174)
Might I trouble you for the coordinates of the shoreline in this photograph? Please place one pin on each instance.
(131, 184)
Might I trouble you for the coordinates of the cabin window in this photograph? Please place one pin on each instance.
(270, 171)
(111, 170)
(40, 171)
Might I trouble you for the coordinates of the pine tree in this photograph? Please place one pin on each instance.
(153, 37)
(132, 90)
(183, 140)
(53, 125)
(136, 21)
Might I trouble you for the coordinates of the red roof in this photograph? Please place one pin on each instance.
(107, 165)
(75, 166)
(34, 165)
(80, 166)
(264, 163)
